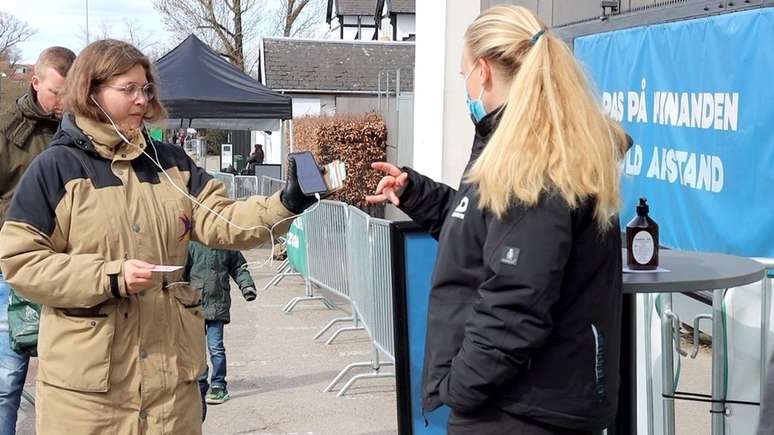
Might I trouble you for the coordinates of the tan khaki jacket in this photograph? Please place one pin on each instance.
(112, 363)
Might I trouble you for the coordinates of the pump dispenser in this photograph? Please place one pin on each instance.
(642, 240)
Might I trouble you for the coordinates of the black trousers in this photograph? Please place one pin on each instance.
(493, 421)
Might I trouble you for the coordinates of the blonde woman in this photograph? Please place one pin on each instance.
(524, 316)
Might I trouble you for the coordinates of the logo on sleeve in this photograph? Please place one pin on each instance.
(510, 256)
(459, 212)
(186, 228)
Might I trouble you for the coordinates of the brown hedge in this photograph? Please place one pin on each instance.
(357, 140)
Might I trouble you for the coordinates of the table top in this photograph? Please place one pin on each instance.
(692, 271)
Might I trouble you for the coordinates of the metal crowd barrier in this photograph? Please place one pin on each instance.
(228, 180)
(327, 258)
(381, 267)
(271, 185)
(370, 280)
(356, 259)
(243, 186)
(326, 235)
(309, 295)
(283, 270)
(348, 253)
(358, 266)
(246, 186)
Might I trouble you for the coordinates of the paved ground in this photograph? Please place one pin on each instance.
(277, 372)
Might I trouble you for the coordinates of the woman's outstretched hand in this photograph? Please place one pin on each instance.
(391, 186)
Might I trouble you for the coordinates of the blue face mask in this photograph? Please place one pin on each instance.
(475, 107)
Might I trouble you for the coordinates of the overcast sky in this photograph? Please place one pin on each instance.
(62, 22)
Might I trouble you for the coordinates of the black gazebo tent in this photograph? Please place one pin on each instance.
(202, 88)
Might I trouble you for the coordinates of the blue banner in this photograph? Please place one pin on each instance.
(697, 97)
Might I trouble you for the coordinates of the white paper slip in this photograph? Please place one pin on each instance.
(658, 269)
(335, 175)
(161, 268)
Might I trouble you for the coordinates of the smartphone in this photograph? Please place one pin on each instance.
(309, 176)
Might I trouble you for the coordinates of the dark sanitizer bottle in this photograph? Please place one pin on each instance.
(642, 240)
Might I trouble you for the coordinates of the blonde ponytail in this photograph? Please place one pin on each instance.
(552, 136)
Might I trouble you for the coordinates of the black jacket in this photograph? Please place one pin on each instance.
(524, 310)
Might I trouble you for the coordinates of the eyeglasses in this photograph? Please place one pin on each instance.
(132, 90)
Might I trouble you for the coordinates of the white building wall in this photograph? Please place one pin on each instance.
(352, 20)
(385, 31)
(428, 89)
(307, 105)
(303, 106)
(407, 24)
(351, 32)
(443, 132)
(272, 145)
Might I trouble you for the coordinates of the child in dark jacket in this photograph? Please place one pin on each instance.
(208, 270)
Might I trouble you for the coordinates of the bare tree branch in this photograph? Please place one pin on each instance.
(130, 31)
(293, 12)
(12, 32)
(226, 25)
(234, 27)
(12, 57)
(302, 16)
(307, 22)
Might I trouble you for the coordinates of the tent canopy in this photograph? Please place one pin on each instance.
(198, 85)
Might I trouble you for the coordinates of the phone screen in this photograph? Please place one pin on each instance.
(309, 177)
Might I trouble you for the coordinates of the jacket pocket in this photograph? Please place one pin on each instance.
(75, 347)
(190, 343)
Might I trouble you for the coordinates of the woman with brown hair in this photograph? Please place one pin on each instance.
(94, 233)
(524, 315)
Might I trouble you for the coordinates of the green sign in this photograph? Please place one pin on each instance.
(296, 243)
(157, 134)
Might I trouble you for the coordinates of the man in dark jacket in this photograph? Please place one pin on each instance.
(208, 270)
(25, 131)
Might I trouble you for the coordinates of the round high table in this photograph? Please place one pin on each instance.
(687, 272)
